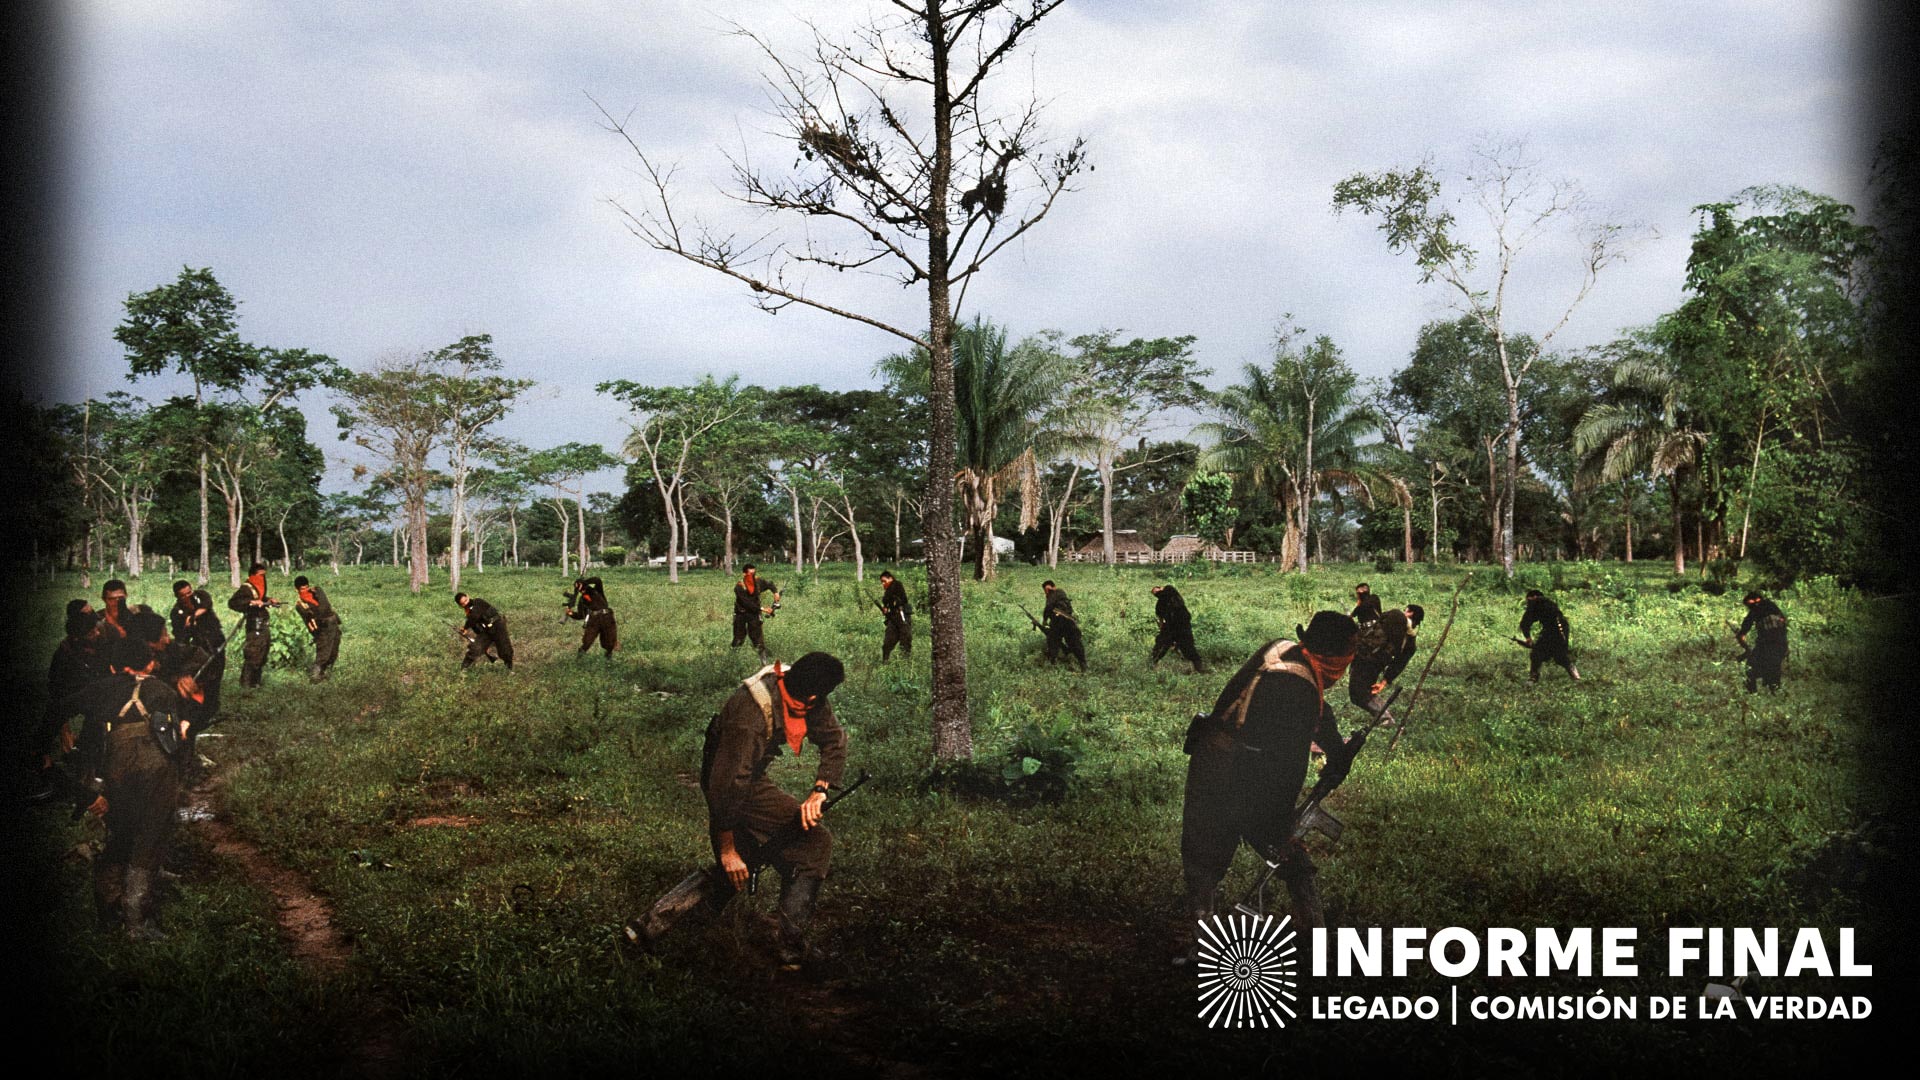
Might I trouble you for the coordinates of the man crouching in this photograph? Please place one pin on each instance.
(751, 822)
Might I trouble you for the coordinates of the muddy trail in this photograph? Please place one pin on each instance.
(377, 1046)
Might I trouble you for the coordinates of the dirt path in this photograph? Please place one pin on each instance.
(306, 922)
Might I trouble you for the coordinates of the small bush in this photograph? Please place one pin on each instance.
(1384, 564)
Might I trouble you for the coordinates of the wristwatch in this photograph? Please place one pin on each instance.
(820, 787)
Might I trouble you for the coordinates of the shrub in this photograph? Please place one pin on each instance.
(1384, 564)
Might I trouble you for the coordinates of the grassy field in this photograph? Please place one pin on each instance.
(481, 836)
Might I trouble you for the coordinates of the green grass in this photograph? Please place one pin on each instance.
(967, 930)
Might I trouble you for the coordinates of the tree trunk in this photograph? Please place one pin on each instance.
(286, 555)
(206, 552)
(726, 531)
(1679, 528)
(1406, 529)
(799, 535)
(580, 511)
(952, 724)
(513, 524)
(1105, 463)
(1626, 493)
(233, 540)
(419, 572)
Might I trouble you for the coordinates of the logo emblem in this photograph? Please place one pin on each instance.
(1247, 970)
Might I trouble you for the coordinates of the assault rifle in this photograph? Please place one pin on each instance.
(1030, 618)
(792, 828)
(467, 637)
(1308, 816)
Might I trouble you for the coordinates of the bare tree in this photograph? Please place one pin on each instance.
(672, 422)
(1518, 207)
(472, 397)
(391, 412)
(924, 182)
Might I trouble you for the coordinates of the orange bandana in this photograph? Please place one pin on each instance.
(306, 597)
(259, 583)
(749, 583)
(792, 712)
(1328, 669)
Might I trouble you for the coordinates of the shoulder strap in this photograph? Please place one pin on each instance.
(756, 686)
(134, 702)
(1269, 662)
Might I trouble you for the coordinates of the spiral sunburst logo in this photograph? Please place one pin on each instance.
(1247, 971)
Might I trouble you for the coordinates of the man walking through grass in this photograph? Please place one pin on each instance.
(323, 623)
(1061, 628)
(1248, 759)
(1552, 643)
(747, 610)
(588, 602)
(251, 601)
(1176, 627)
(751, 822)
(485, 631)
(897, 611)
(1768, 653)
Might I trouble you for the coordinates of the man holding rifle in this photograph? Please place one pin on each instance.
(750, 821)
(323, 624)
(195, 623)
(1248, 759)
(587, 601)
(898, 613)
(251, 600)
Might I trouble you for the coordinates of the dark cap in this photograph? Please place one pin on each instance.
(301, 582)
(1329, 633)
(130, 653)
(815, 674)
(1751, 597)
(79, 622)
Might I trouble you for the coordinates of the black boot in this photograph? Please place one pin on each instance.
(694, 890)
(797, 898)
(1199, 908)
(137, 904)
(1303, 887)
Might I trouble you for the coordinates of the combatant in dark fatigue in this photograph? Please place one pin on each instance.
(323, 623)
(1767, 654)
(747, 610)
(194, 622)
(1554, 633)
(1062, 629)
(1366, 606)
(1248, 761)
(1385, 643)
(134, 728)
(751, 822)
(587, 600)
(898, 613)
(1176, 626)
(251, 600)
(113, 610)
(78, 661)
(485, 631)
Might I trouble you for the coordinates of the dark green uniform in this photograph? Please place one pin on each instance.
(1552, 642)
(898, 612)
(194, 621)
(1380, 653)
(588, 602)
(747, 613)
(742, 743)
(486, 629)
(257, 643)
(1062, 629)
(1176, 627)
(141, 783)
(1768, 653)
(323, 623)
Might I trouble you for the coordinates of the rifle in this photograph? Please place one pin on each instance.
(1030, 618)
(1431, 657)
(221, 651)
(465, 636)
(793, 827)
(1522, 642)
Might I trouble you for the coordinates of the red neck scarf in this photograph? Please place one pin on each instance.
(306, 596)
(259, 583)
(1327, 670)
(748, 583)
(792, 711)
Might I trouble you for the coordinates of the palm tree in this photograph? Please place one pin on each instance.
(1641, 426)
(1293, 430)
(1011, 414)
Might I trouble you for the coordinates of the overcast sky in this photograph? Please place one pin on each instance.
(373, 177)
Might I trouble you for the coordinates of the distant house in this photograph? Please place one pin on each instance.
(687, 562)
(1127, 548)
(1186, 547)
